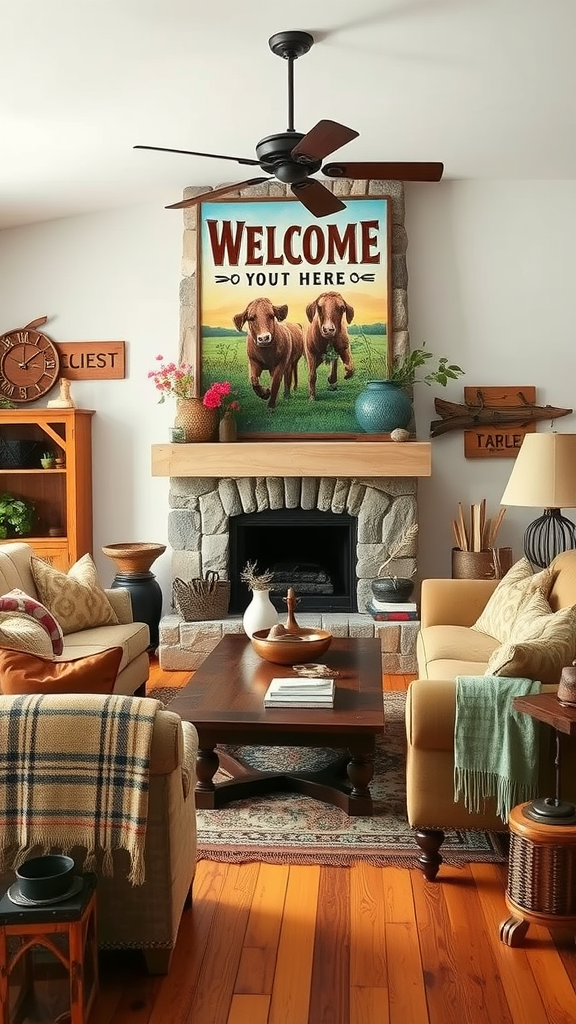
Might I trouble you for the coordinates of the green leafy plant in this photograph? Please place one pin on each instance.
(405, 370)
(47, 455)
(16, 516)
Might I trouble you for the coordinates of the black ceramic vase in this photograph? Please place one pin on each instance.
(392, 588)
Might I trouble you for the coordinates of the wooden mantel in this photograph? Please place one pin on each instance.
(294, 458)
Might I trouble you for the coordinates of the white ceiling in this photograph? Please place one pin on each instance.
(486, 86)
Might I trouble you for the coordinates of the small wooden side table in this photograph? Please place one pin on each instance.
(542, 859)
(22, 928)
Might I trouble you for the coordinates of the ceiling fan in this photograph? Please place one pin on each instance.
(292, 157)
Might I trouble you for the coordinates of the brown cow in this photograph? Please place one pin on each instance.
(328, 330)
(271, 345)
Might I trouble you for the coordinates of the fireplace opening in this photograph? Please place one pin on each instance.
(310, 550)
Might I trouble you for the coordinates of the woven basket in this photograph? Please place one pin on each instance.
(481, 565)
(200, 599)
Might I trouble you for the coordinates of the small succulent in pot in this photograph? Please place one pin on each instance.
(387, 586)
(48, 460)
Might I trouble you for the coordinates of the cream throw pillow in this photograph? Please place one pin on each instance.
(509, 597)
(76, 599)
(533, 659)
(22, 632)
(541, 644)
(537, 621)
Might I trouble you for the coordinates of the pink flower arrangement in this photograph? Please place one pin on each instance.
(171, 379)
(221, 396)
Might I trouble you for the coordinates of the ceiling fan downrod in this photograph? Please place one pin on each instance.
(290, 46)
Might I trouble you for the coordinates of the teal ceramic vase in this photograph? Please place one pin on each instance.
(382, 406)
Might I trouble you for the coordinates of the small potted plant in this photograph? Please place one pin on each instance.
(16, 516)
(385, 405)
(47, 460)
(387, 587)
(260, 613)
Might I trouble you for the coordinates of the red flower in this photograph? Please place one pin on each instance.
(221, 396)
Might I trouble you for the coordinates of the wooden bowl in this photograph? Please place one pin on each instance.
(293, 648)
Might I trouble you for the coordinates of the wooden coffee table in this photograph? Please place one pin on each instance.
(225, 701)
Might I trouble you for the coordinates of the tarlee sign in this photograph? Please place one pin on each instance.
(92, 360)
(499, 441)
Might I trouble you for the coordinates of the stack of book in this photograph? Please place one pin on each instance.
(393, 611)
(300, 693)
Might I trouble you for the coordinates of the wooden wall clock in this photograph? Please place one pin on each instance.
(29, 363)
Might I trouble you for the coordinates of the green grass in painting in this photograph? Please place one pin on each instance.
(224, 358)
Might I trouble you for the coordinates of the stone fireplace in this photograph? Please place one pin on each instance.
(244, 480)
(202, 510)
(371, 483)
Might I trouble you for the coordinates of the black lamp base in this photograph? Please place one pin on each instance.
(551, 812)
(547, 536)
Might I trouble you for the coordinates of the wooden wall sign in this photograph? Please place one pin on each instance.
(494, 420)
(92, 360)
(498, 441)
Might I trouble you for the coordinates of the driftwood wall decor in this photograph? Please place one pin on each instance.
(494, 420)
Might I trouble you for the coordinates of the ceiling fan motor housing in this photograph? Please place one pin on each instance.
(273, 154)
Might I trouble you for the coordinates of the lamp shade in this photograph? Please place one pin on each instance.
(544, 473)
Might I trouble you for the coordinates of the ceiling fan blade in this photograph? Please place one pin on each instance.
(316, 198)
(324, 138)
(409, 171)
(209, 196)
(192, 152)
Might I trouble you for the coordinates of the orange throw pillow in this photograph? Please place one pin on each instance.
(27, 673)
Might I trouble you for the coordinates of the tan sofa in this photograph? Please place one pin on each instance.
(147, 917)
(448, 647)
(132, 637)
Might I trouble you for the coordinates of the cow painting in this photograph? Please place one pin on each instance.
(327, 338)
(272, 345)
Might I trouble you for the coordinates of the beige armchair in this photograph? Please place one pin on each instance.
(147, 916)
(448, 647)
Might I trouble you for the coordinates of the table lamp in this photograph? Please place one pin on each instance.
(544, 476)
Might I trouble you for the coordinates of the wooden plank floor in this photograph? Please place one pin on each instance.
(276, 944)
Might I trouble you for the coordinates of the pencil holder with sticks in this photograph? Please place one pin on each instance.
(476, 556)
(481, 565)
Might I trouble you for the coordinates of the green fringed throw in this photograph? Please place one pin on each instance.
(495, 747)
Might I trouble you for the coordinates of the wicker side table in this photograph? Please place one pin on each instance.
(542, 861)
(541, 876)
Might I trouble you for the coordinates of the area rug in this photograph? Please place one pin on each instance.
(292, 828)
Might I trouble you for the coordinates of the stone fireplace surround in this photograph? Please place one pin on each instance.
(198, 532)
(204, 497)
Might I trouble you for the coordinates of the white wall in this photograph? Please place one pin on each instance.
(110, 276)
(492, 269)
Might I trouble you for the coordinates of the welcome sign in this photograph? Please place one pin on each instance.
(294, 311)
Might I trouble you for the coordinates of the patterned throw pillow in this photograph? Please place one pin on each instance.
(541, 643)
(75, 598)
(533, 659)
(25, 673)
(20, 632)
(537, 621)
(511, 593)
(18, 601)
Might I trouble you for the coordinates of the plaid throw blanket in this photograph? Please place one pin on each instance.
(74, 773)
